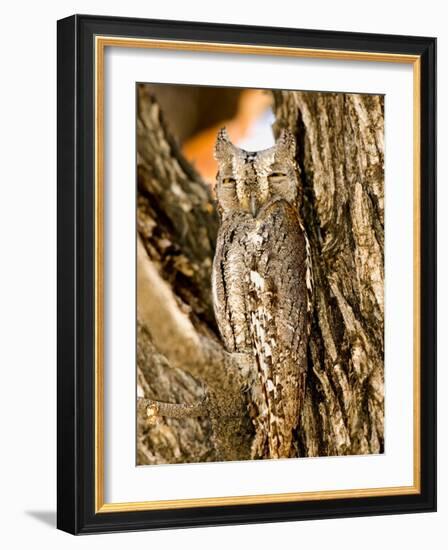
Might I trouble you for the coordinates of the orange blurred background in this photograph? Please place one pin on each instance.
(194, 114)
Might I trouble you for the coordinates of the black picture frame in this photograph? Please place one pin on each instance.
(76, 254)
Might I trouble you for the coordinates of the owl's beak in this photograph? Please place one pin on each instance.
(253, 204)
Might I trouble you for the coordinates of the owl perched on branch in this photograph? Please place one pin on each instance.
(262, 284)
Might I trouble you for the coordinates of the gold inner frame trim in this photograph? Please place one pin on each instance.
(101, 42)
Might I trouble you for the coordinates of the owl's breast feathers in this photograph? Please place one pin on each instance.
(260, 298)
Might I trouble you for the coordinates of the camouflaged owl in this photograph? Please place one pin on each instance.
(262, 284)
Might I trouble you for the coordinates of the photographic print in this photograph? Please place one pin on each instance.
(260, 274)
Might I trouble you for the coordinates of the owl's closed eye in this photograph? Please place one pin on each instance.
(226, 193)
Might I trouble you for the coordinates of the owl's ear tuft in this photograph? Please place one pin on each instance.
(223, 146)
(286, 142)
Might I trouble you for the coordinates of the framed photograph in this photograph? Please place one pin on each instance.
(246, 274)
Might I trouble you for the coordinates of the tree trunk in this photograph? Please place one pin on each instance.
(192, 405)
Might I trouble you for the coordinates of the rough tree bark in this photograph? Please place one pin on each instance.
(192, 404)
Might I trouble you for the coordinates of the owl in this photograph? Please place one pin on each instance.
(261, 284)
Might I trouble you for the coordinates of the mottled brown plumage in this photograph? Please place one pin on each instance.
(262, 284)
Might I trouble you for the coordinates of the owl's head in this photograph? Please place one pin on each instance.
(246, 180)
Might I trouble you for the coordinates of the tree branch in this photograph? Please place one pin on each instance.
(156, 409)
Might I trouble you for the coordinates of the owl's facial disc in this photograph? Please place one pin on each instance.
(246, 181)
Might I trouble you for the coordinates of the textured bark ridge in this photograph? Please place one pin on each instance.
(192, 395)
